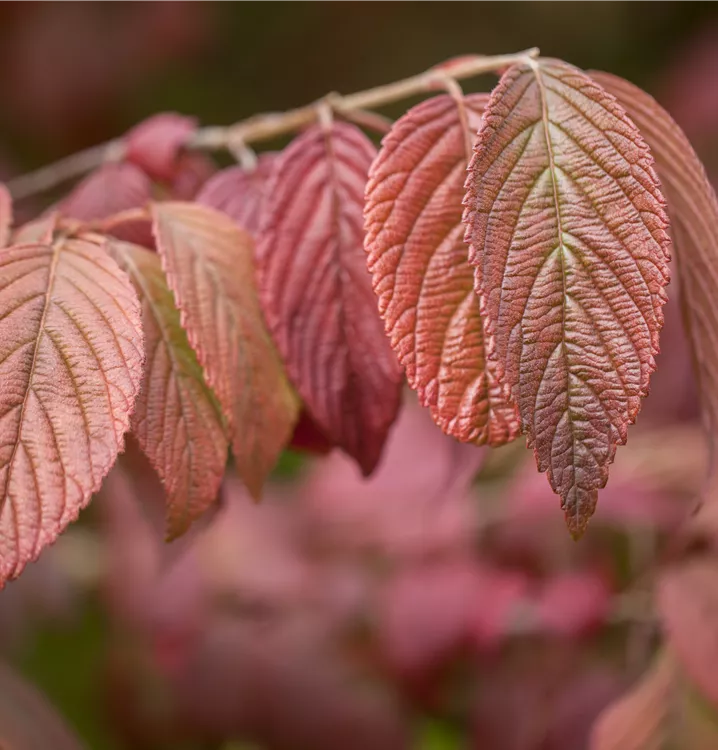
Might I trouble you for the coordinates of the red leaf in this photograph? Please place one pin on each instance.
(177, 420)
(568, 237)
(572, 604)
(5, 215)
(39, 230)
(239, 193)
(208, 261)
(308, 437)
(27, 720)
(71, 365)
(316, 292)
(693, 208)
(418, 258)
(108, 190)
(155, 145)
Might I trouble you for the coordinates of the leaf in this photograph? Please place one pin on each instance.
(316, 292)
(569, 241)
(693, 209)
(155, 145)
(177, 420)
(39, 230)
(70, 368)
(5, 215)
(27, 720)
(418, 258)
(208, 261)
(108, 190)
(640, 720)
(239, 193)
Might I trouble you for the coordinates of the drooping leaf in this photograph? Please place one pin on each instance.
(108, 190)
(693, 209)
(239, 193)
(27, 720)
(418, 258)
(70, 368)
(5, 215)
(155, 145)
(316, 291)
(177, 420)
(570, 246)
(208, 261)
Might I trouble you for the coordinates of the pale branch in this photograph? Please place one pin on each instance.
(356, 107)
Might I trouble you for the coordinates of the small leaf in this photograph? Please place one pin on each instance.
(108, 190)
(569, 241)
(208, 261)
(177, 420)
(239, 193)
(5, 215)
(27, 720)
(70, 368)
(155, 145)
(316, 291)
(693, 209)
(418, 258)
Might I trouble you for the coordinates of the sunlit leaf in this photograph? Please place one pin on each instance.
(177, 419)
(70, 368)
(316, 291)
(208, 261)
(570, 246)
(5, 215)
(418, 258)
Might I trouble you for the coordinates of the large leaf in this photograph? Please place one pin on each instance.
(316, 292)
(5, 215)
(418, 258)
(570, 246)
(238, 192)
(208, 261)
(70, 368)
(177, 420)
(693, 209)
(27, 720)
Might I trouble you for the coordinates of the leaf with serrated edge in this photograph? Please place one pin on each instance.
(316, 291)
(569, 240)
(421, 275)
(5, 215)
(208, 261)
(70, 368)
(239, 192)
(177, 420)
(693, 209)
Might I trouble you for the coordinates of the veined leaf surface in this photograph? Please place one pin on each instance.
(177, 420)
(316, 291)
(421, 275)
(238, 192)
(70, 368)
(208, 261)
(569, 241)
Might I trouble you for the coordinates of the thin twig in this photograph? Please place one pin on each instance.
(269, 125)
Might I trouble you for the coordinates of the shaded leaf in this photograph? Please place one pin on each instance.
(641, 719)
(316, 291)
(177, 420)
(418, 258)
(208, 261)
(70, 365)
(693, 210)
(239, 193)
(108, 190)
(27, 720)
(569, 241)
(155, 145)
(5, 215)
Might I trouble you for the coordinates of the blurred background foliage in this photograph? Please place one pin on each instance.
(419, 610)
